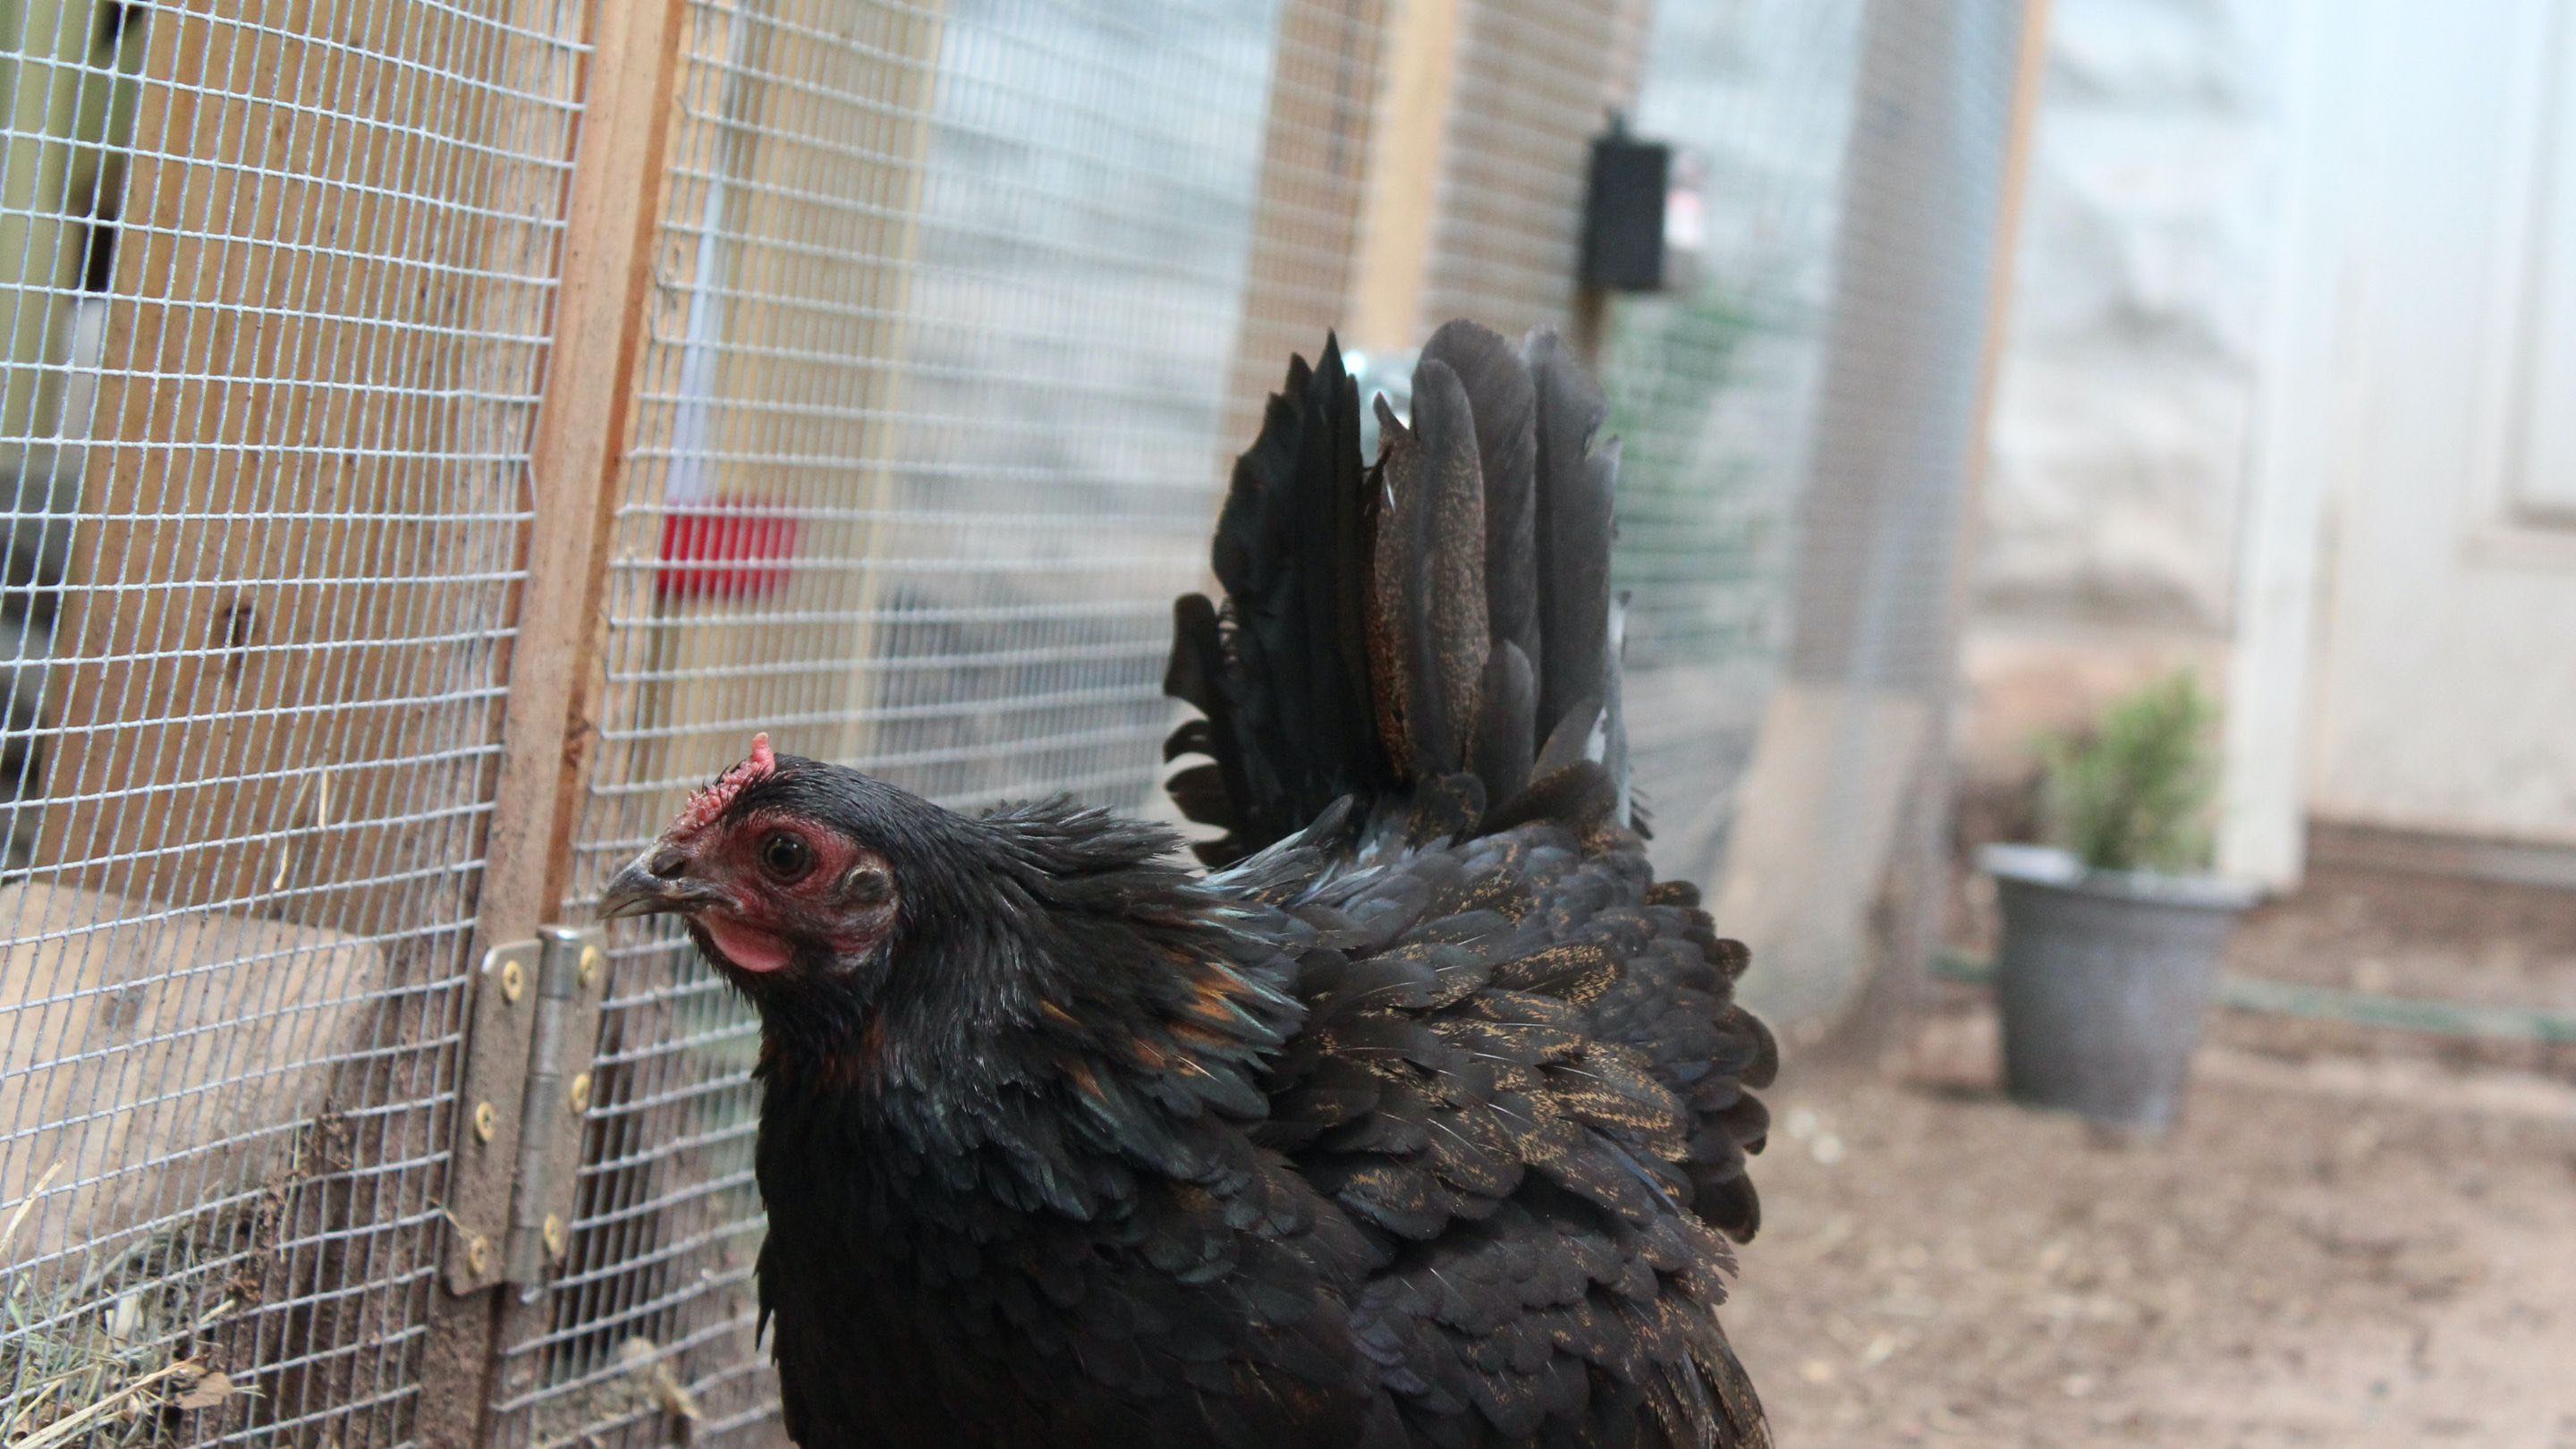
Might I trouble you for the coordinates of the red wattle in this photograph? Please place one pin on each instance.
(747, 947)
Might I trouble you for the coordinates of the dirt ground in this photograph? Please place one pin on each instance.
(2354, 1239)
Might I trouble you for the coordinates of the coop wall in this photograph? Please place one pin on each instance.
(443, 437)
(279, 344)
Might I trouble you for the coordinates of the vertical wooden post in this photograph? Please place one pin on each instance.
(612, 205)
(1589, 319)
(775, 401)
(1315, 155)
(1918, 886)
(2030, 69)
(577, 455)
(1477, 183)
(1404, 176)
(1853, 724)
(2263, 778)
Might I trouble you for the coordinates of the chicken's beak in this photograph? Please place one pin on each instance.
(656, 882)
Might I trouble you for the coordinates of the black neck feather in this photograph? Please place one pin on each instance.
(1061, 1007)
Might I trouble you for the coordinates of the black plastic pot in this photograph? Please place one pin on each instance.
(2103, 980)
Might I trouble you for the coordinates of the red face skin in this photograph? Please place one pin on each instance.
(767, 892)
(773, 884)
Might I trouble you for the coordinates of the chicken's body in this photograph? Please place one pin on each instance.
(1424, 1124)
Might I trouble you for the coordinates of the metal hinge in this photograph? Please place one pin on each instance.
(526, 1095)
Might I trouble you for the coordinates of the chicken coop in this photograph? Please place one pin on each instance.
(441, 433)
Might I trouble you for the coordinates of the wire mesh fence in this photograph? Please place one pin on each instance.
(277, 276)
(1714, 388)
(1536, 79)
(1830, 858)
(952, 315)
(946, 323)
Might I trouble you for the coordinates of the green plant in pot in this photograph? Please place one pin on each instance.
(2114, 933)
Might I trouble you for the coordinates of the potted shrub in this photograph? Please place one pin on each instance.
(2113, 935)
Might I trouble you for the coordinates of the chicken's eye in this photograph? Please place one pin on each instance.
(786, 856)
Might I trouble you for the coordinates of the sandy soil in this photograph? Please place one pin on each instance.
(2354, 1239)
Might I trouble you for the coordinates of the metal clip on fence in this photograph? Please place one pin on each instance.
(536, 1017)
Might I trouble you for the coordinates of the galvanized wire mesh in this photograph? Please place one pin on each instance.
(1714, 386)
(277, 276)
(1801, 426)
(957, 311)
(949, 314)
(1536, 81)
(1795, 412)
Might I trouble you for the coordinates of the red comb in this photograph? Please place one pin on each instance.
(707, 804)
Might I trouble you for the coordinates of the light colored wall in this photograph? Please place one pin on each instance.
(2121, 441)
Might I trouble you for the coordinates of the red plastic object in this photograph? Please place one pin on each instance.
(731, 549)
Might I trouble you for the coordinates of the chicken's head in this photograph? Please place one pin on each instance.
(785, 870)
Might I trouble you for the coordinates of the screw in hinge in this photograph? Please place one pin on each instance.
(580, 1094)
(478, 1254)
(487, 1120)
(514, 980)
(554, 1236)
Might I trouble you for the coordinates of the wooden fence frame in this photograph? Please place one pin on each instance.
(598, 335)
(612, 208)
(616, 196)
(1883, 912)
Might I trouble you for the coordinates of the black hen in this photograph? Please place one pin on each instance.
(1421, 1120)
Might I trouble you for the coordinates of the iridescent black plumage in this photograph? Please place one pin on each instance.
(1421, 1121)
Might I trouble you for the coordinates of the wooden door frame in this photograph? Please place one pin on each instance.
(2295, 459)
(2301, 461)
(595, 344)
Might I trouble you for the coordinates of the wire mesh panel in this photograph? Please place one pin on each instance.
(950, 305)
(1327, 71)
(1711, 384)
(956, 310)
(1874, 391)
(278, 277)
(1713, 388)
(954, 305)
(1536, 81)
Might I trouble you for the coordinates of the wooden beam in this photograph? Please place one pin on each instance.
(1851, 736)
(2030, 75)
(1315, 154)
(89, 979)
(761, 489)
(1404, 176)
(2263, 781)
(577, 460)
(1535, 83)
(611, 208)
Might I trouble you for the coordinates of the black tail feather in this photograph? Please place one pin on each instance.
(1430, 587)
(1506, 723)
(1422, 632)
(1281, 675)
(1575, 483)
(1505, 403)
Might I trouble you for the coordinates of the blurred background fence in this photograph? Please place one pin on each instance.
(440, 434)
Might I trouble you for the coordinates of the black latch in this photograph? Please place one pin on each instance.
(1623, 217)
